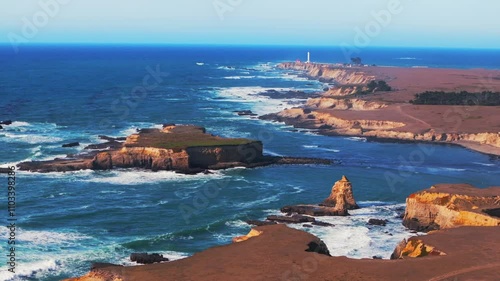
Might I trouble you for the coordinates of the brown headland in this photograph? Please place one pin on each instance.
(354, 107)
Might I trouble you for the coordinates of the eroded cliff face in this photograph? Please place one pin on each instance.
(316, 118)
(448, 206)
(343, 104)
(205, 157)
(414, 248)
(341, 197)
(143, 157)
(344, 76)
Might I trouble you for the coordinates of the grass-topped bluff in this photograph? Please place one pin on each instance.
(180, 137)
(182, 148)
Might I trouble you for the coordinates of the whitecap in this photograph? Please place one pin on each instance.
(137, 177)
(357, 139)
(484, 164)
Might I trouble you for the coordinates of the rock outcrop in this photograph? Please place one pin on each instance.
(282, 253)
(341, 197)
(341, 200)
(328, 73)
(251, 234)
(145, 258)
(342, 110)
(414, 248)
(452, 205)
(184, 149)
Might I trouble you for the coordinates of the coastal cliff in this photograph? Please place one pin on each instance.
(447, 206)
(282, 253)
(184, 149)
(347, 109)
(325, 72)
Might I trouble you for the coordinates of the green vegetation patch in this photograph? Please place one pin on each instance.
(373, 87)
(182, 139)
(457, 98)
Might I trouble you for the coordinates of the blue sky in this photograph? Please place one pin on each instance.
(433, 23)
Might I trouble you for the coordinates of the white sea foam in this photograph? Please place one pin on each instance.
(269, 152)
(406, 58)
(137, 177)
(321, 148)
(132, 129)
(237, 224)
(238, 77)
(442, 169)
(352, 237)
(260, 104)
(30, 138)
(484, 164)
(48, 237)
(357, 139)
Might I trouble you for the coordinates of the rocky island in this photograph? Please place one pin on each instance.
(276, 252)
(184, 149)
(402, 104)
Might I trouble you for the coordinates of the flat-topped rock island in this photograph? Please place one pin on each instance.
(182, 148)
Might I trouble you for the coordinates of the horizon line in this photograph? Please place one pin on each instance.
(4, 43)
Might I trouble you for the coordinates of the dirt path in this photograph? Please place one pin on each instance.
(400, 110)
(466, 270)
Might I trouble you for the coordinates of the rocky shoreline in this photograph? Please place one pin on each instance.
(349, 109)
(273, 251)
(183, 149)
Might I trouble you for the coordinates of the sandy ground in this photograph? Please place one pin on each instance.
(472, 253)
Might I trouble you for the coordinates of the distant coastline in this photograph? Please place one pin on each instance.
(351, 108)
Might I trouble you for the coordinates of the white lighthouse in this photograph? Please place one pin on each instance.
(308, 57)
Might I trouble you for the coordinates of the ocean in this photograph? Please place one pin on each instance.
(73, 93)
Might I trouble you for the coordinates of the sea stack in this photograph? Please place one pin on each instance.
(338, 203)
(341, 197)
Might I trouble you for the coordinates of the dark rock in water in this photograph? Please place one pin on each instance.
(260, 223)
(273, 94)
(112, 139)
(245, 113)
(377, 257)
(1, 128)
(106, 145)
(325, 127)
(168, 125)
(307, 225)
(322, 223)
(72, 144)
(314, 210)
(291, 219)
(6, 122)
(414, 224)
(145, 258)
(377, 222)
(318, 247)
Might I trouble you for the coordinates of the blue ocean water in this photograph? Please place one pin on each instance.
(61, 94)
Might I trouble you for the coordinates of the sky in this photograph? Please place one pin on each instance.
(409, 23)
